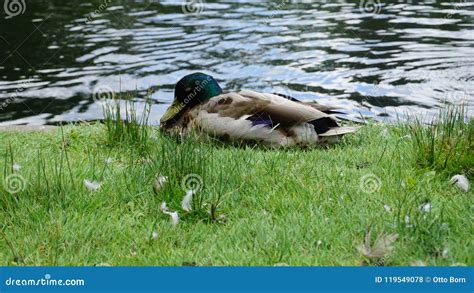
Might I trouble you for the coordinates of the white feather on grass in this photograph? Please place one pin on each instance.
(92, 185)
(186, 203)
(405, 137)
(461, 182)
(164, 207)
(173, 215)
(16, 167)
(418, 263)
(382, 246)
(154, 235)
(159, 182)
(426, 207)
(174, 218)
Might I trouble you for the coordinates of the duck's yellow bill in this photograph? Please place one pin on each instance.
(171, 112)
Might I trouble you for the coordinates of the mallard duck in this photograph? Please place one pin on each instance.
(273, 119)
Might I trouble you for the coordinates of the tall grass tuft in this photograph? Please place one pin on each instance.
(446, 142)
(187, 166)
(129, 127)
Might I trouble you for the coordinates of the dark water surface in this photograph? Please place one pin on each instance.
(374, 58)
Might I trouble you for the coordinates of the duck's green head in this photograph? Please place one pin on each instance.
(191, 90)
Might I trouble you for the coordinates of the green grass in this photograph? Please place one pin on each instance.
(446, 143)
(129, 127)
(256, 206)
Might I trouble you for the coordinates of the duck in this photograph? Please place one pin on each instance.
(200, 106)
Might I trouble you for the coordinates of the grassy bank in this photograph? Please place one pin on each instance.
(252, 206)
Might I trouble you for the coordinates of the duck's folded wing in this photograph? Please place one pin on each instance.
(271, 110)
(228, 116)
(284, 111)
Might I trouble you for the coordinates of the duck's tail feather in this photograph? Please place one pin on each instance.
(338, 131)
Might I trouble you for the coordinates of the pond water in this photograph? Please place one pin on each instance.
(374, 58)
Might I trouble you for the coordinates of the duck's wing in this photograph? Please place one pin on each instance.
(228, 116)
(270, 110)
(288, 112)
(285, 111)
